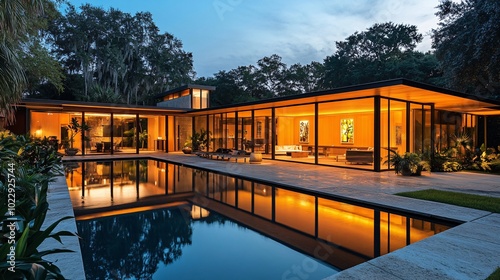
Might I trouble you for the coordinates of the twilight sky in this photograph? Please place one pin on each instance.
(225, 34)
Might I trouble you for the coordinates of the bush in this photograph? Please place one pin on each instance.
(27, 165)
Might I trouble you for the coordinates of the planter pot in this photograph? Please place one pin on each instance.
(255, 158)
(71, 152)
(186, 150)
(408, 172)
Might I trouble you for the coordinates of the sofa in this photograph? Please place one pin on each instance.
(287, 149)
(359, 156)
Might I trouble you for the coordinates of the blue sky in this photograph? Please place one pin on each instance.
(225, 34)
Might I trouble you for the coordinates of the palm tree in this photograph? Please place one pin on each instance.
(16, 17)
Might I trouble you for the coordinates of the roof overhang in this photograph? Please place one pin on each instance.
(74, 106)
(398, 89)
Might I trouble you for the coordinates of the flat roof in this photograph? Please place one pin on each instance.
(77, 106)
(398, 89)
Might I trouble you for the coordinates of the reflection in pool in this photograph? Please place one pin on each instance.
(187, 242)
(338, 232)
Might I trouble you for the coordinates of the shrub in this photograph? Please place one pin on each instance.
(27, 165)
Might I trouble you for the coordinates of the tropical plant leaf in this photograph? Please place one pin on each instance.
(40, 236)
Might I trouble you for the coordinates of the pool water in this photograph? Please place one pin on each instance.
(311, 235)
(187, 242)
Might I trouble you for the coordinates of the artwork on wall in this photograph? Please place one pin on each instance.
(347, 131)
(304, 132)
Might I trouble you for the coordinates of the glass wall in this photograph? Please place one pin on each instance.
(262, 131)
(183, 131)
(342, 126)
(124, 127)
(295, 133)
(152, 133)
(54, 126)
(99, 134)
(393, 129)
(216, 127)
(244, 141)
(230, 130)
(421, 129)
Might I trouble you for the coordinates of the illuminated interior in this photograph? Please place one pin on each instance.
(108, 133)
(352, 128)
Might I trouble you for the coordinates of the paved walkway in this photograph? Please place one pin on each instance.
(468, 251)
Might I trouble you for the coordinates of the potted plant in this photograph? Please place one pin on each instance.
(199, 140)
(408, 164)
(74, 128)
(188, 147)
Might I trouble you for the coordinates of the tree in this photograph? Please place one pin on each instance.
(44, 74)
(467, 45)
(122, 54)
(269, 78)
(16, 23)
(302, 79)
(384, 51)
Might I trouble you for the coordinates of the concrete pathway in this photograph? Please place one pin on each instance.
(71, 264)
(468, 251)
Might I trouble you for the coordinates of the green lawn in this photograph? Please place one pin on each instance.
(480, 202)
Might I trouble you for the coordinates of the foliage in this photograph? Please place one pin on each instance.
(495, 275)
(16, 23)
(408, 163)
(270, 77)
(384, 51)
(143, 137)
(198, 140)
(121, 53)
(33, 163)
(100, 94)
(74, 128)
(463, 157)
(466, 43)
(486, 203)
(43, 72)
(486, 159)
(134, 246)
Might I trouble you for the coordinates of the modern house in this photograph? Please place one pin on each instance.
(353, 127)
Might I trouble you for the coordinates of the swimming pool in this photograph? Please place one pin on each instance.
(335, 233)
(176, 243)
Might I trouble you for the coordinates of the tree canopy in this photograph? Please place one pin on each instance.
(20, 23)
(467, 43)
(383, 51)
(115, 57)
(269, 78)
(117, 53)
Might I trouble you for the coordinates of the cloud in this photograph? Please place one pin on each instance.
(225, 34)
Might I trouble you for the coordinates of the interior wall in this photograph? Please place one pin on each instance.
(329, 129)
(47, 124)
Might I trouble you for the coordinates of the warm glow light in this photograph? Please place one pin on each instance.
(128, 210)
(104, 181)
(38, 132)
(197, 212)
